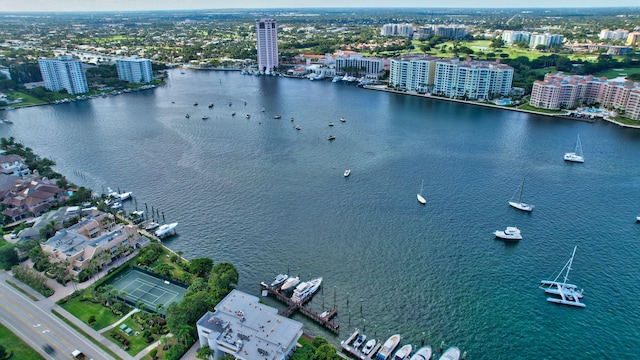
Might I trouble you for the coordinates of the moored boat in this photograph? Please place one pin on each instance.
(152, 225)
(452, 353)
(347, 173)
(166, 230)
(403, 353)
(277, 116)
(510, 233)
(359, 341)
(279, 280)
(342, 119)
(290, 283)
(368, 347)
(576, 155)
(422, 353)
(331, 137)
(306, 289)
(330, 123)
(388, 347)
(517, 202)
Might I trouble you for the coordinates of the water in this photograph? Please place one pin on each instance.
(272, 200)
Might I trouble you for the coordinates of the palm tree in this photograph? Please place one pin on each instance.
(184, 334)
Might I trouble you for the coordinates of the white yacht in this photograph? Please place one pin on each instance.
(279, 280)
(421, 199)
(576, 155)
(306, 289)
(510, 233)
(452, 353)
(290, 283)
(422, 353)
(166, 230)
(359, 341)
(368, 347)
(403, 353)
(388, 347)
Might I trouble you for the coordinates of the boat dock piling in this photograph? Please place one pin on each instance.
(348, 349)
(324, 319)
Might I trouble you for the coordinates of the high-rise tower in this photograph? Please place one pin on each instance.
(267, 45)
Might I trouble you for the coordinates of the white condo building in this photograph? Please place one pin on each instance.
(511, 37)
(545, 39)
(357, 65)
(244, 328)
(267, 45)
(63, 73)
(412, 73)
(619, 34)
(134, 70)
(397, 30)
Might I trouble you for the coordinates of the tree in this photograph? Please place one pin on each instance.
(327, 352)
(205, 353)
(189, 310)
(201, 267)
(163, 269)
(8, 257)
(318, 341)
(3, 352)
(223, 279)
(185, 334)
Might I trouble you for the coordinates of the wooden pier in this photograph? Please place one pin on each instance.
(322, 319)
(353, 352)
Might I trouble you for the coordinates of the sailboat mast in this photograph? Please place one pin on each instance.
(521, 188)
(566, 276)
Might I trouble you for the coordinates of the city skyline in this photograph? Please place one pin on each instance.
(142, 5)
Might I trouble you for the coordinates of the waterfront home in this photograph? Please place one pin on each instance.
(30, 196)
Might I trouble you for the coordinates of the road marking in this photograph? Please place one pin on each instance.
(45, 331)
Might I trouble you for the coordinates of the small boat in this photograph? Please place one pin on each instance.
(576, 155)
(210, 105)
(517, 203)
(262, 110)
(403, 353)
(291, 119)
(297, 127)
(195, 104)
(568, 293)
(152, 225)
(248, 116)
(347, 173)
(342, 119)
(359, 341)
(510, 233)
(277, 116)
(638, 218)
(187, 116)
(166, 230)
(205, 118)
(305, 290)
(368, 347)
(137, 214)
(7, 121)
(388, 347)
(421, 199)
(290, 283)
(116, 205)
(452, 353)
(244, 103)
(331, 124)
(422, 353)
(124, 196)
(233, 113)
(279, 280)
(331, 137)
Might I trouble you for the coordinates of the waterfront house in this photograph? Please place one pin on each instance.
(31, 197)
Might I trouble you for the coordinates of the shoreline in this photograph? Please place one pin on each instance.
(494, 106)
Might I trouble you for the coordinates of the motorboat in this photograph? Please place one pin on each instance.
(152, 225)
(347, 173)
(187, 116)
(510, 233)
(388, 347)
(423, 353)
(343, 119)
(421, 199)
(305, 290)
(248, 116)
(297, 127)
(195, 104)
(576, 155)
(403, 353)
(331, 137)
(116, 205)
(290, 283)
(233, 113)
(368, 347)
(330, 123)
(517, 203)
(277, 117)
(359, 341)
(7, 121)
(452, 353)
(124, 196)
(137, 213)
(166, 230)
(210, 105)
(205, 118)
(279, 280)
(566, 294)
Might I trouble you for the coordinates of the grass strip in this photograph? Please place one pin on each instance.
(87, 336)
(22, 290)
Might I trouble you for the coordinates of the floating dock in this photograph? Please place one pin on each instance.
(323, 319)
(348, 349)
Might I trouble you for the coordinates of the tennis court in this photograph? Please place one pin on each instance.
(148, 289)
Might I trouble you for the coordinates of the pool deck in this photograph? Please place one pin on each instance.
(565, 116)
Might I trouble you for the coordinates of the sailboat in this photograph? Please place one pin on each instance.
(421, 199)
(519, 204)
(568, 293)
(577, 155)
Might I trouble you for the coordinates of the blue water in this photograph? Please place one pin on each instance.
(272, 200)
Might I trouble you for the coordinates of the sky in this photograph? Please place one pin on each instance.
(131, 5)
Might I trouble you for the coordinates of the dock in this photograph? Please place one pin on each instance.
(323, 319)
(353, 352)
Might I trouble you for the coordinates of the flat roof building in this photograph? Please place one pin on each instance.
(246, 329)
(134, 70)
(63, 73)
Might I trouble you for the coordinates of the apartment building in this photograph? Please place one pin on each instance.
(559, 91)
(63, 72)
(472, 79)
(633, 38)
(134, 70)
(545, 39)
(267, 45)
(620, 34)
(397, 30)
(512, 37)
(358, 65)
(412, 73)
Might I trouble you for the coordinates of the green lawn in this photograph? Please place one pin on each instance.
(613, 73)
(136, 342)
(546, 111)
(84, 309)
(26, 99)
(627, 121)
(13, 343)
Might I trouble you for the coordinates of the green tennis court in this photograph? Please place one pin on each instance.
(148, 289)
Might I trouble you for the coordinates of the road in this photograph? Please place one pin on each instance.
(34, 323)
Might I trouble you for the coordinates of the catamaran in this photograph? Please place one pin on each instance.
(518, 204)
(568, 293)
(577, 155)
(421, 199)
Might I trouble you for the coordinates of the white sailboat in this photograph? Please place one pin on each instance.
(517, 203)
(568, 293)
(577, 155)
(421, 199)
